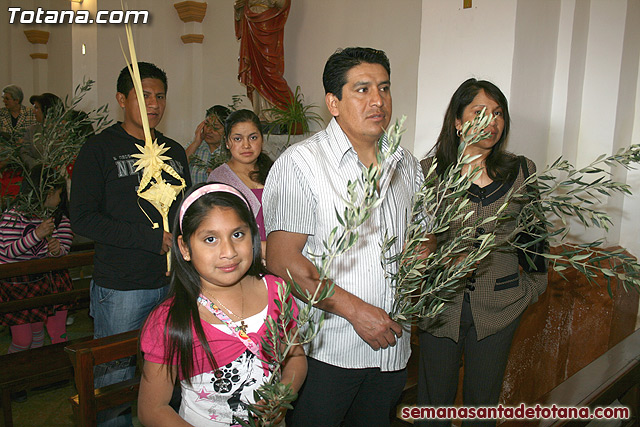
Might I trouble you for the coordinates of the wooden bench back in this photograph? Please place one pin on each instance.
(44, 265)
(84, 356)
(598, 384)
(78, 297)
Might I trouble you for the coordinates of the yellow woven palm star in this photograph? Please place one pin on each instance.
(151, 155)
(153, 186)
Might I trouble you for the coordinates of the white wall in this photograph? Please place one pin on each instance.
(569, 67)
(317, 28)
(457, 44)
(203, 75)
(534, 63)
(628, 131)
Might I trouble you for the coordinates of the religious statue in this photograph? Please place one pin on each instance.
(260, 29)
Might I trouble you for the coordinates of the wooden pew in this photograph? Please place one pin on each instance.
(84, 356)
(78, 297)
(35, 266)
(49, 364)
(32, 368)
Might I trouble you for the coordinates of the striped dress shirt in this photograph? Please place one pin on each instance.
(305, 187)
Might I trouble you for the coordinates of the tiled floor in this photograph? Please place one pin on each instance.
(48, 407)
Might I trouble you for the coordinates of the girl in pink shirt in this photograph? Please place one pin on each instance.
(207, 333)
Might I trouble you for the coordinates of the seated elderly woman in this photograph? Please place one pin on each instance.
(15, 118)
(248, 166)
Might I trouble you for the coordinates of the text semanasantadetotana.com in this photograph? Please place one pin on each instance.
(521, 412)
(41, 16)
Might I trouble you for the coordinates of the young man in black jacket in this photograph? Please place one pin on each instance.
(129, 277)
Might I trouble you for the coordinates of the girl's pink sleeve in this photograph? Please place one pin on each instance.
(153, 338)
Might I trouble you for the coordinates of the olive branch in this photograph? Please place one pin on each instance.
(565, 193)
(423, 284)
(64, 131)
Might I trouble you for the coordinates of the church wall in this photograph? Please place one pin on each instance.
(201, 75)
(457, 44)
(569, 67)
(317, 28)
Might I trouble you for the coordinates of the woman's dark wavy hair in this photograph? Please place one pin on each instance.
(47, 102)
(185, 285)
(263, 162)
(501, 165)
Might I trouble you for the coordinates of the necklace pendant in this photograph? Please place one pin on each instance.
(243, 326)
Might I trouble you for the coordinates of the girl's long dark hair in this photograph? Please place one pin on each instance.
(501, 165)
(54, 183)
(263, 163)
(185, 286)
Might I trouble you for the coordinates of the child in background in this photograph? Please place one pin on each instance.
(22, 238)
(208, 331)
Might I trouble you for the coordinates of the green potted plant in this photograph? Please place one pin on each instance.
(295, 117)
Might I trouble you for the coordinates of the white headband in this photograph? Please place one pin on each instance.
(206, 189)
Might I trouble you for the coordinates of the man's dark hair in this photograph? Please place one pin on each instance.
(338, 65)
(147, 71)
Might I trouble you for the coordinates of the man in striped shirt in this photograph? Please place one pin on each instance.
(357, 363)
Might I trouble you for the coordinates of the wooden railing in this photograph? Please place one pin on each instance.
(88, 354)
(73, 259)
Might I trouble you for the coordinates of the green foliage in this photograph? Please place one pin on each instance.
(294, 114)
(561, 193)
(63, 133)
(219, 158)
(236, 102)
(423, 284)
